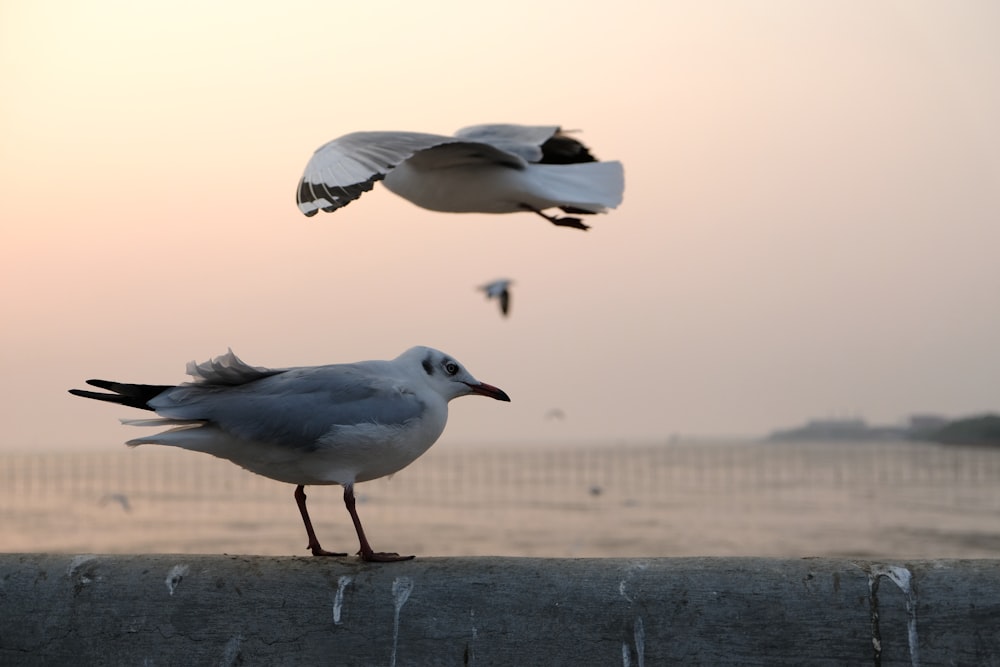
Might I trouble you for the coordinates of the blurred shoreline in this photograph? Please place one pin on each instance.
(686, 498)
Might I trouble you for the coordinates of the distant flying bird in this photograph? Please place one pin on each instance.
(334, 424)
(119, 498)
(499, 290)
(555, 413)
(482, 169)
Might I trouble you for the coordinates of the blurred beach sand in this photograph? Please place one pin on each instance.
(864, 500)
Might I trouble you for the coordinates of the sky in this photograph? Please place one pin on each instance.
(809, 230)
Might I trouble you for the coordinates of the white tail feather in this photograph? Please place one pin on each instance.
(164, 437)
(591, 186)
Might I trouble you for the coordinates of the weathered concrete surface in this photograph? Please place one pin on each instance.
(233, 610)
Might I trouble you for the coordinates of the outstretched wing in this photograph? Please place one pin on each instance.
(342, 170)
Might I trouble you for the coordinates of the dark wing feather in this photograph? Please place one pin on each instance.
(131, 395)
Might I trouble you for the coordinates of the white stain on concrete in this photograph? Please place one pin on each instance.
(630, 571)
(623, 592)
(638, 629)
(231, 652)
(175, 575)
(338, 599)
(639, 635)
(637, 566)
(903, 578)
(401, 589)
(75, 563)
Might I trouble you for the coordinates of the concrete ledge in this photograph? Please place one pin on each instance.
(229, 610)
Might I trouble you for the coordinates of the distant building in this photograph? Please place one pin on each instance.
(923, 423)
(979, 429)
(838, 429)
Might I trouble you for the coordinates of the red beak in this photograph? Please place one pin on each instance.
(484, 389)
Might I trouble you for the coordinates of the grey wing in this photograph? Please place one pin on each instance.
(294, 408)
(342, 170)
(524, 141)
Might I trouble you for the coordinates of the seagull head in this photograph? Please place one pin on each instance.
(448, 377)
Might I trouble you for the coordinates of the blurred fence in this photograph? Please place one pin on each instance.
(832, 499)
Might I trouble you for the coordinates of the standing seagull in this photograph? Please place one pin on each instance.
(334, 424)
(500, 290)
(482, 169)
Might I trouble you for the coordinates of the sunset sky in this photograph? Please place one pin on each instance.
(811, 224)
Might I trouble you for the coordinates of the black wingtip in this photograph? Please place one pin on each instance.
(102, 384)
(131, 395)
(109, 398)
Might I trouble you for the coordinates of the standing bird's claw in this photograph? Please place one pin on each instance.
(320, 551)
(382, 557)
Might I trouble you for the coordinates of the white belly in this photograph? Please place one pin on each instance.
(345, 455)
(461, 189)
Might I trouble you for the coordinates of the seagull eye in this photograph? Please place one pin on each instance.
(450, 367)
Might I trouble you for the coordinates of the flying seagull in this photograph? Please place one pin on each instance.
(500, 290)
(482, 169)
(334, 424)
(119, 498)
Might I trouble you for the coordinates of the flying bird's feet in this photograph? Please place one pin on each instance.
(381, 557)
(575, 223)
